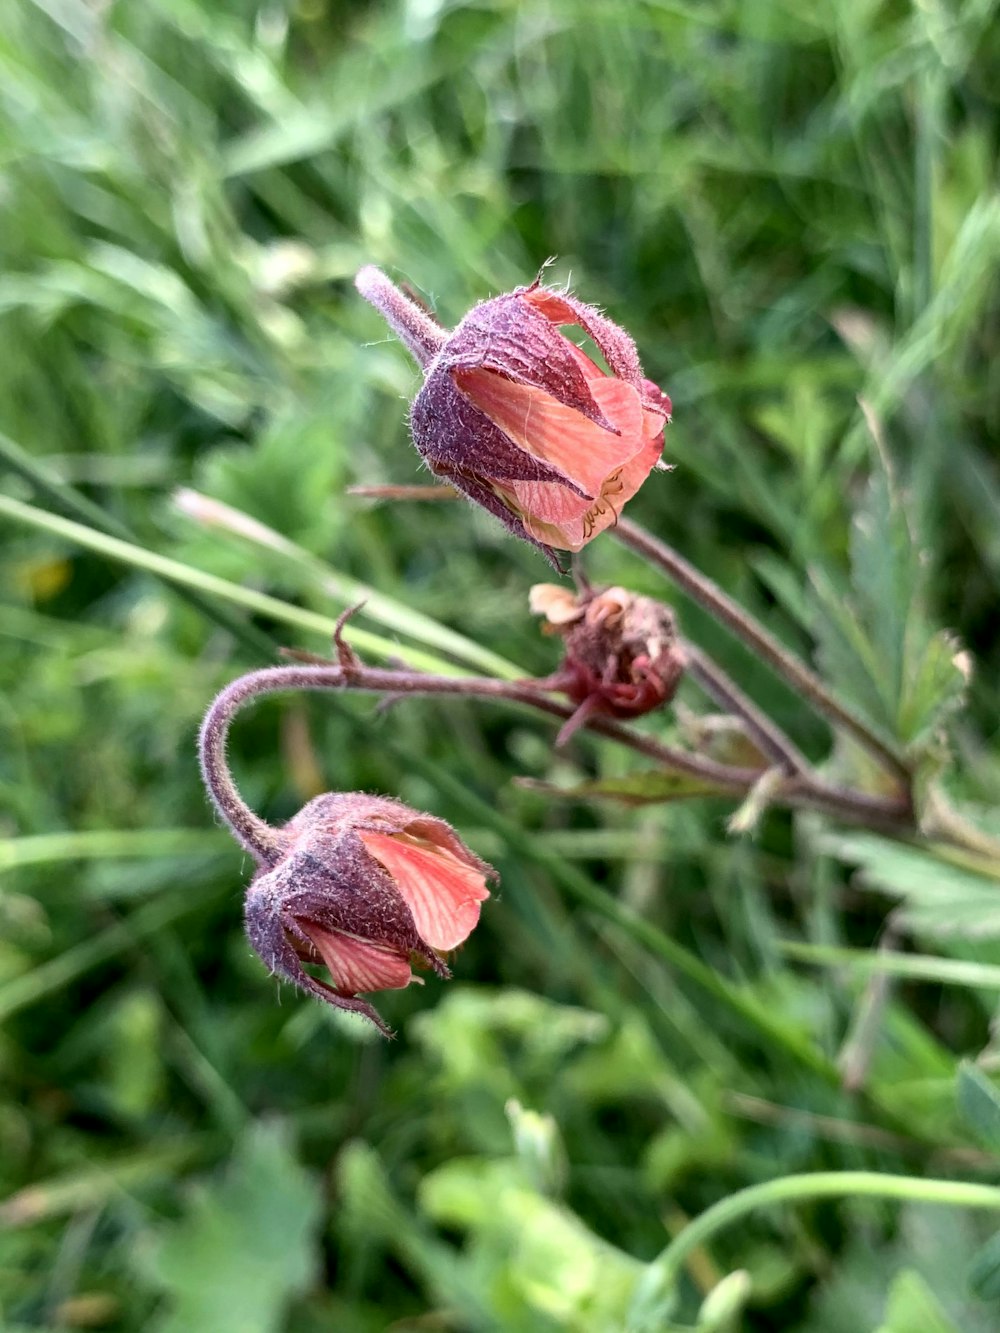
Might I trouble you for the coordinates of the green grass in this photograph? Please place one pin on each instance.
(791, 207)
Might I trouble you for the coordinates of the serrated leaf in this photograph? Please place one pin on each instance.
(979, 1105)
(875, 638)
(651, 788)
(984, 1271)
(939, 898)
(246, 1246)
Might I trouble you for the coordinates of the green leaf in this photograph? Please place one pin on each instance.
(875, 637)
(554, 1268)
(984, 1271)
(939, 898)
(913, 1308)
(247, 1244)
(979, 1105)
(653, 788)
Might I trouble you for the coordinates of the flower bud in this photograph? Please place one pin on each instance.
(363, 886)
(517, 417)
(622, 654)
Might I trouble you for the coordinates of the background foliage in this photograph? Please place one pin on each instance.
(789, 206)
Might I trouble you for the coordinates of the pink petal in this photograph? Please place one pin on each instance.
(550, 513)
(656, 398)
(557, 517)
(442, 894)
(558, 434)
(551, 305)
(358, 965)
(590, 368)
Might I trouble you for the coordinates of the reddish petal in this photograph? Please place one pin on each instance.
(358, 965)
(550, 513)
(551, 305)
(558, 434)
(443, 895)
(616, 346)
(652, 425)
(634, 473)
(654, 396)
(589, 368)
(557, 517)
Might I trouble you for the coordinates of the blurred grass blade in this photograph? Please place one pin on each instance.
(68, 498)
(173, 571)
(102, 844)
(94, 1185)
(387, 611)
(909, 966)
(48, 977)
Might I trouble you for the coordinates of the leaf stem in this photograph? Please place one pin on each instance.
(654, 1296)
(764, 645)
(177, 573)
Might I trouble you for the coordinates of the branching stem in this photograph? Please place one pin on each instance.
(802, 790)
(760, 641)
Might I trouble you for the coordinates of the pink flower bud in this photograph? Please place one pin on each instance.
(363, 887)
(622, 656)
(520, 419)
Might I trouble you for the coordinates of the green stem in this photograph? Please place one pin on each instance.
(394, 615)
(760, 641)
(70, 500)
(178, 574)
(656, 1291)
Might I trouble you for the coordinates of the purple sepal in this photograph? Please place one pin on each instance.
(507, 336)
(450, 433)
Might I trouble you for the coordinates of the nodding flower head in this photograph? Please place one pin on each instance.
(519, 418)
(361, 888)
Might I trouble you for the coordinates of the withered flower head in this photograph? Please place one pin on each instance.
(622, 654)
(520, 419)
(363, 887)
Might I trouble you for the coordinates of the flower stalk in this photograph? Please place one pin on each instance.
(800, 791)
(361, 886)
(761, 642)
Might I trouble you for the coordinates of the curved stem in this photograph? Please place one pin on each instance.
(761, 642)
(657, 1286)
(253, 834)
(801, 791)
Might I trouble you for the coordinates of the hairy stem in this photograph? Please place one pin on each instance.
(769, 737)
(253, 834)
(800, 791)
(764, 645)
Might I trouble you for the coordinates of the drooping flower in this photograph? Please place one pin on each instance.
(363, 888)
(622, 657)
(520, 419)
